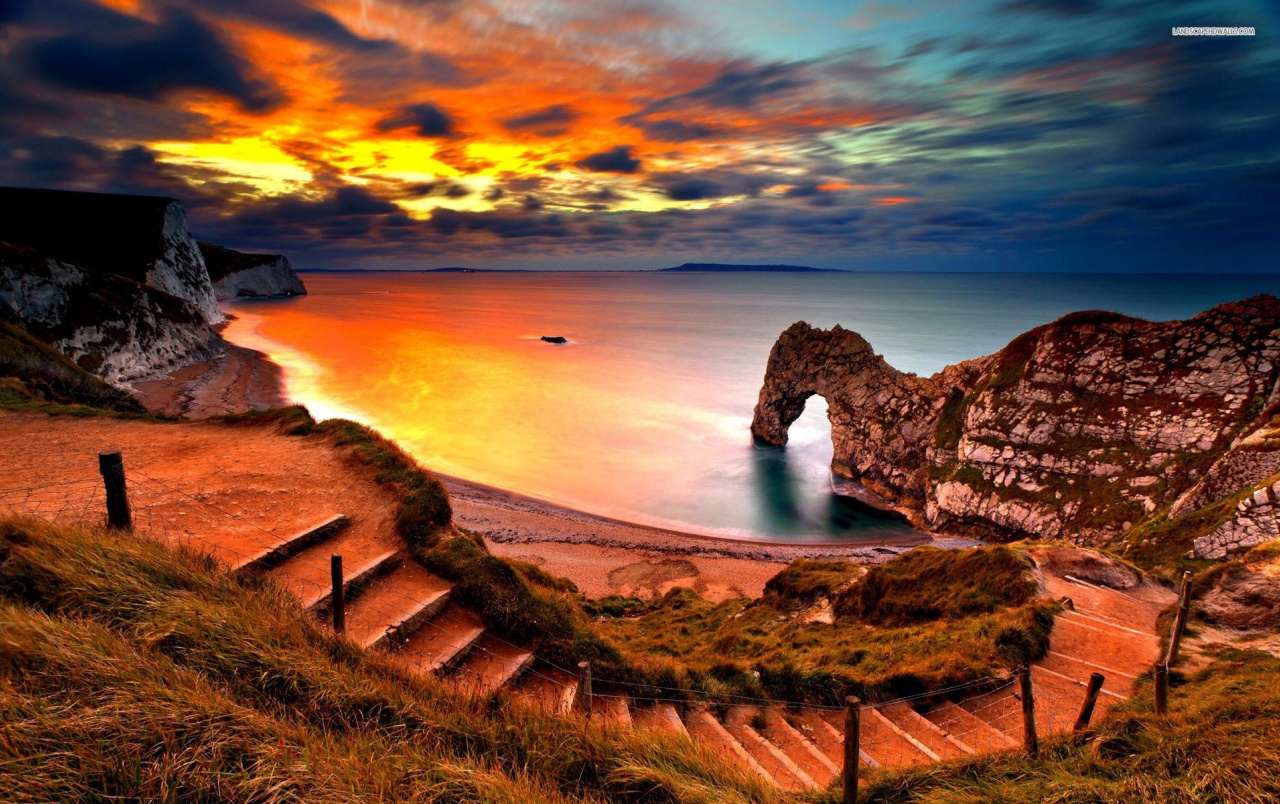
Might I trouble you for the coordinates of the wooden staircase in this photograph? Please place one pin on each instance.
(395, 605)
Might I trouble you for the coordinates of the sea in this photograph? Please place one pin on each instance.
(643, 414)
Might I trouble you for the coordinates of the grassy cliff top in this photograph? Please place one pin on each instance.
(221, 261)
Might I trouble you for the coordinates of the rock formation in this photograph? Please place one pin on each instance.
(114, 327)
(1078, 429)
(142, 238)
(235, 274)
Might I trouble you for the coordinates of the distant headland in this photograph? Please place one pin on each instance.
(725, 268)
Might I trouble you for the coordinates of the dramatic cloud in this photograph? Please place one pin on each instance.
(410, 132)
(152, 61)
(615, 160)
(427, 119)
(552, 121)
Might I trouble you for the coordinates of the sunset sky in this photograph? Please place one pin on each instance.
(925, 134)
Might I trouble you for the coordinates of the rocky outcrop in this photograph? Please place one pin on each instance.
(1077, 429)
(111, 326)
(236, 274)
(1256, 519)
(1243, 597)
(140, 238)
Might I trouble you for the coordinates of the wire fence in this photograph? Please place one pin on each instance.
(978, 716)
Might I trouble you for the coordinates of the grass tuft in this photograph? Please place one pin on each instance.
(928, 584)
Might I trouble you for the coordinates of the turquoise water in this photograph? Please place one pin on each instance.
(644, 415)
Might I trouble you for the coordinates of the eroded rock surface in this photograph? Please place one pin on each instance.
(237, 274)
(114, 327)
(1077, 429)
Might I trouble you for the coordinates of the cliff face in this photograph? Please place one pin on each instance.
(236, 274)
(141, 238)
(111, 326)
(1078, 429)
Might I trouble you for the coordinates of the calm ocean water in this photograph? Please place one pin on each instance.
(644, 414)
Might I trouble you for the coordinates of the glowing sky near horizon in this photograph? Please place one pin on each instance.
(631, 133)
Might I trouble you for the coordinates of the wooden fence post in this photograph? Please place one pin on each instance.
(1029, 738)
(1162, 688)
(1180, 621)
(584, 688)
(852, 736)
(1090, 700)
(111, 465)
(339, 595)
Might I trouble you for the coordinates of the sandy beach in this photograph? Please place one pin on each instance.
(602, 556)
(237, 380)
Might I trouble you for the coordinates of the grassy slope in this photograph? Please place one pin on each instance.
(36, 371)
(133, 671)
(762, 647)
(514, 599)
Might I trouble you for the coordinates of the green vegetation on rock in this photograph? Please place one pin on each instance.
(786, 645)
(929, 584)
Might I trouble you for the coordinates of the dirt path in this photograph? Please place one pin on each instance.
(233, 489)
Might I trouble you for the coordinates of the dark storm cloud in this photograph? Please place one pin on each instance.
(693, 190)
(741, 180)
(551, 121)
(428, 119)
(617, 159)
(54, 160)
(743, 86)
(1132, 198)
(293, 17)
(501, 223)
(961, 218)
(674, 130)
(151, 61)
(1060, 8)
(345, 215)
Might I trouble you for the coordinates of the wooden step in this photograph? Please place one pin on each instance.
(1108, 604)
(739, 722)
(353, 580)
(828, 738)
(1118, 649)
(1114, 682)
(613, 711)
(272, 555)
(550, 689)
(1000, 709)
(970, 729)
(490, 665)
(801, 749)
(707, 731)
(882, 741)
(395, 605)
(925, 732)
(444, 640)
(660, 716)
(1058, 700)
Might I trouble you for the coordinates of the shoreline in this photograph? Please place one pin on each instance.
(600, 554)
(509, 517)
(234, 381)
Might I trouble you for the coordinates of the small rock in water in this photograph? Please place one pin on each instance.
(555, 339)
